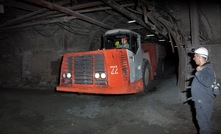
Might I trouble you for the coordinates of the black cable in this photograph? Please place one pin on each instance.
(44, 34)
(71, 31)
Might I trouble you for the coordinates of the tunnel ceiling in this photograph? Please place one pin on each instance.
(151, 17)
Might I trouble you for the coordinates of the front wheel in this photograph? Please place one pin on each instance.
(146, 75)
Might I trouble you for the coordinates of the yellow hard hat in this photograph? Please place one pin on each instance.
(117, 43)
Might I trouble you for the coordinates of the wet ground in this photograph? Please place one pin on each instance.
(161, 111)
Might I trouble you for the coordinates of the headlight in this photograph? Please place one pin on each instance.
(103, 75)
(97, 75)
(63, 75)
(69, 75)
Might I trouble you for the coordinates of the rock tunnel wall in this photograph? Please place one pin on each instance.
(32, 57)
(209, 23)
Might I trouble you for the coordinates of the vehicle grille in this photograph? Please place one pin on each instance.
(85, 66)
(66, 68)
(125, 67)
(68, 64)
(99, 68)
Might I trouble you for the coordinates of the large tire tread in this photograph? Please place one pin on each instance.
(160, 69)
(146, 75)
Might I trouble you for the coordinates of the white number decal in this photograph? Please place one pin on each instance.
(114, 69)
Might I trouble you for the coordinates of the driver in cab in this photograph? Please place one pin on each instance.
(123, 44)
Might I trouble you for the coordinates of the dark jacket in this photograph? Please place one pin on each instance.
(201, 85)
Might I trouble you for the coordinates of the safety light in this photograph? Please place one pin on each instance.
(131, 21)
(150, 35)
(97, 75)
(68, 75)
(103, 75)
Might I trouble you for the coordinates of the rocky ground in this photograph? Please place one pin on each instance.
(45, 111)
(160, 111)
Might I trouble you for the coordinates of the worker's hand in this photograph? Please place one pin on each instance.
(199, 68)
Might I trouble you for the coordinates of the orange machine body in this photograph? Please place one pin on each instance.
(110, 67)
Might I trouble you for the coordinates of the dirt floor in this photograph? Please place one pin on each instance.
(161, 111)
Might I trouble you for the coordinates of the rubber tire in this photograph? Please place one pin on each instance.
(160, 69)
(146, 75)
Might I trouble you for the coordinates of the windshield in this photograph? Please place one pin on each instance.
(117, 41)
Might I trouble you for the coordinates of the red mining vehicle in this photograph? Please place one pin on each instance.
(116, 69)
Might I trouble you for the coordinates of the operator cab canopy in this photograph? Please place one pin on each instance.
(116, 38)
